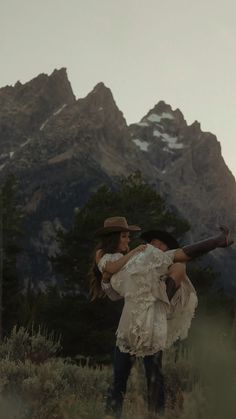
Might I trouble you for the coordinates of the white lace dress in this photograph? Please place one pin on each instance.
(149, 321)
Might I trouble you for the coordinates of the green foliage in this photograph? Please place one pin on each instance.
(199, 384)
(86, 328)
(212, 299)
(50, 388)
(203, 278)
(11, 218)
(23, 344)
(212, 353)
(11, 214)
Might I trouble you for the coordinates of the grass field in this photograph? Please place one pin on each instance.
(200, 376)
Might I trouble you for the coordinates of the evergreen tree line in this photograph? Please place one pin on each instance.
(86, 328)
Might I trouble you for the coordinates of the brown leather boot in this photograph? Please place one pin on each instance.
(222, 240)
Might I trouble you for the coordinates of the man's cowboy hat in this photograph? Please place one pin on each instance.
(114, 224)
(161, 235)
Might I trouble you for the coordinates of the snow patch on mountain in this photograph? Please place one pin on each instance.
(143, 145)
(54, 114)
(44, 124)
(168, 150)
(26, 142)
(3, 156)
(142, 124)
(167, 115)
(157, 133)
(153, 117)
(171, 142)
(60, 109)
(2, 166)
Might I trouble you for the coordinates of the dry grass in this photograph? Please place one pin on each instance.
(200, 383)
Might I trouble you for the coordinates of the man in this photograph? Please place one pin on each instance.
(175, 280)
(152, 363)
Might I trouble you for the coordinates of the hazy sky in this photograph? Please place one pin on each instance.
(180, 51)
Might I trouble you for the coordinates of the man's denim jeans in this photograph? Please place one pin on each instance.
(155, 381)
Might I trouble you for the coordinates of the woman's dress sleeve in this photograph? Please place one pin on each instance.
(106, 287)
(108, 257)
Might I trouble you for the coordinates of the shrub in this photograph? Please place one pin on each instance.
(40, 386)
(22, 344)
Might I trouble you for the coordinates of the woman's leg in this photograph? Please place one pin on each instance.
(176, 274)
(122, 367)
(194, 250)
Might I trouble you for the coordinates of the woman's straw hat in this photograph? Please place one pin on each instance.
(114, 224)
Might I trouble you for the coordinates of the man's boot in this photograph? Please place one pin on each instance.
(200, 248)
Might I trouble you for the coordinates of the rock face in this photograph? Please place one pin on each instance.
(192, 173)
(62, 149)
(24, 109)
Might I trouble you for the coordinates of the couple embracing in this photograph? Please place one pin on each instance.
(159, 299)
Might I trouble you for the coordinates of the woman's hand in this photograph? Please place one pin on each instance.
(138, 249)
(106, 277)
(114, 267)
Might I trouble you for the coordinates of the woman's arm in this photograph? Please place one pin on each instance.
(114, 267)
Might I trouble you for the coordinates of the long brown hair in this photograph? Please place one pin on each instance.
(108, 244)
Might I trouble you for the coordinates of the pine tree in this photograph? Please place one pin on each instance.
(10, 233)
(132, 198)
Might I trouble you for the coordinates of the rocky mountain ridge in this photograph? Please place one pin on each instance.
(62, 149)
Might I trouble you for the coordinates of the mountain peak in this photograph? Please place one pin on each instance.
(60, 79)
(102, 92)
(61, 72)
(100, 101)
(196, 126)
(163, 111)
(162, 106)
(31, 104)
(56, 84)
(100, 85)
